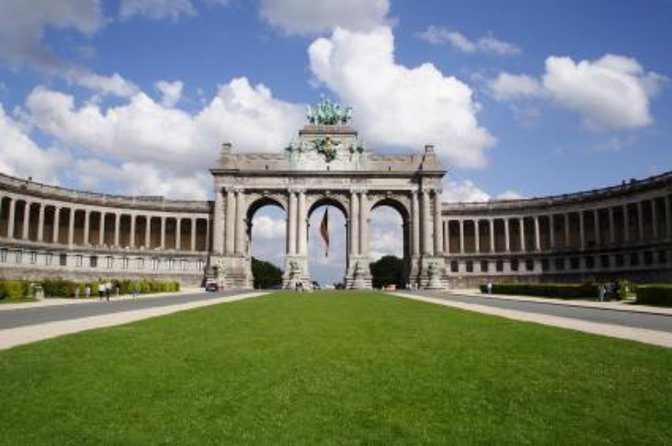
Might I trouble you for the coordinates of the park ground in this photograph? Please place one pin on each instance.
(335, 368)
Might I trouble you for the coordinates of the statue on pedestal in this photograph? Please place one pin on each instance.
(434, 275)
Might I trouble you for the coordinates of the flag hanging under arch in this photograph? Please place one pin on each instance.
(324, 231)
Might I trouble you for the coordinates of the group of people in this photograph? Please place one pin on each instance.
(608, 291)
(105, 290)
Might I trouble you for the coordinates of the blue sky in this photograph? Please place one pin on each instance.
(521, 98)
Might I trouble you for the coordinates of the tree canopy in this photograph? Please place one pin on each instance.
(388, 270)
(266, 274)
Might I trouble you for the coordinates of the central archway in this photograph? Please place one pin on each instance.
(328, 266)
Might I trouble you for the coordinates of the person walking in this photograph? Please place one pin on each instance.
(87, 291)
(135, 291)
(101, 290)
(108, 289)
(601, 292)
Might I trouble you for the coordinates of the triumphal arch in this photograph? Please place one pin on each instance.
(328, 164)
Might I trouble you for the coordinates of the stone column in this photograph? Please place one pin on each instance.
(207, 234)
(71, 228)
(640, 221)
(477, 236)
(132, 235)
(101, 232)
(612, 229)
(507, 236)
(415, 227)
(446, 236)
(426, 225)
(567, 231)
(668, 215)
(291, 223)
(193, 233)
(230, 220)
(626, 223)
(492, 234)
(26, 221)
(11, 217)
(438, 233)
(354, 223)
(461, 236)
(551, 227)
(303, 224)
(596, 226)
(582, 231)
(654, 219)
(148, 231)
(537, 235)
(241, 220)
(117, 228)
(178, 233)
(162, 244)
(220, 223)
(364, 224)
(87, 226)
(40, 223)
(521, 230)
(57, 223)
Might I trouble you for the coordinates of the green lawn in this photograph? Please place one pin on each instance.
(335, 368)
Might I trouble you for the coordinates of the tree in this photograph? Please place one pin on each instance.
(388, 270)
(265, 274)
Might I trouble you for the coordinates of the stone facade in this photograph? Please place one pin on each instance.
(622, 231)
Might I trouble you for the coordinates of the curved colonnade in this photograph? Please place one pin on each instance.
(623, 231)
(52, 231)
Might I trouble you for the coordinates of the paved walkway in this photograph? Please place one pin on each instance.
(633, 325)
(29, 324)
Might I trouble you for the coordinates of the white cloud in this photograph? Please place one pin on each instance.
(23, 23)
(509, 195)
(21, 156)
(265, 227)
(438, 35)
(463, 191)
(156, 9)
(507, 87)
(385, 233)
(314, 16)
(615, 143)
(155, 147)
(105, 85)
(397, 106)
(171, 92)
(610, 93)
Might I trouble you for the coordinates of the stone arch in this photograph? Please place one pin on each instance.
(337, 200)
(401, 204)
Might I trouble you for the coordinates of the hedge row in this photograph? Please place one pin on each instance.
(558, 290)
(16, 289)
(659, 294)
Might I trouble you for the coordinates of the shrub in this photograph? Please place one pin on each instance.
(557, 290)
(14, 289)
(659, 294)
(59, 288)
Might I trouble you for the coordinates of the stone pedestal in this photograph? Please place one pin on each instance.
(296, 271)
(238, 272)
(433, 278)
(358, 275)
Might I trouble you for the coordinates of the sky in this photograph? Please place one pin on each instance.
(520, 98)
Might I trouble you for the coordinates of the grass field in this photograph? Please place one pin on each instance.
(335, 368)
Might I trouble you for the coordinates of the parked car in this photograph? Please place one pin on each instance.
(316, 286)
(212, 286)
